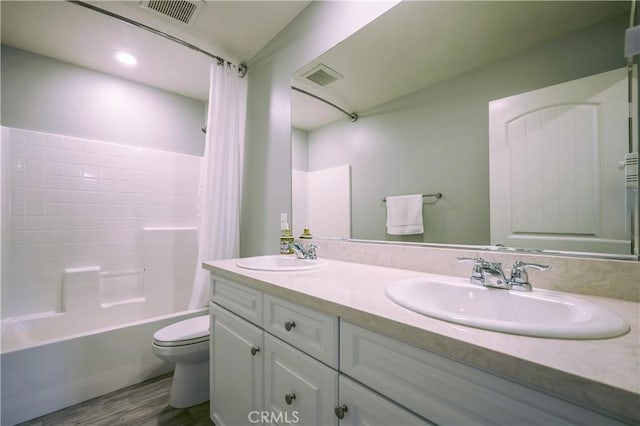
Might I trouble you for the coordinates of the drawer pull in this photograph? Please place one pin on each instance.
(255, 350)
(289, 325)
(340, 411)
(288, 398)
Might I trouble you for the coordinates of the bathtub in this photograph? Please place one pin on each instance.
(51, 361)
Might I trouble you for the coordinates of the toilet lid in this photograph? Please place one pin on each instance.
(193, 330)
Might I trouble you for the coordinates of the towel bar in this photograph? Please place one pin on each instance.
(437, 196)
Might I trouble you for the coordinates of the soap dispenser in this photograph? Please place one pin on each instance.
(286, 237)
(306, 234)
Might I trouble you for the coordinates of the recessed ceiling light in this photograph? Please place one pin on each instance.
(125, 57)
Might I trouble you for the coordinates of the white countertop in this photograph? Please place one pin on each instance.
(602, 374)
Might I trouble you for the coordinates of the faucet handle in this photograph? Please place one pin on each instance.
(477, 277)
(519, 277)
(311, 251)
(475, 260)
(520, 266)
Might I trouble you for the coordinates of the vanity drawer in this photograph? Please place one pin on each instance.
(310, 331)
(448, 392)
(243, 301)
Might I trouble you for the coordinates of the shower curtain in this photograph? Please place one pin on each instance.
(219, 191)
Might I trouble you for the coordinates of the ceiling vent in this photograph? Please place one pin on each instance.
(322, 75)
(185, 11)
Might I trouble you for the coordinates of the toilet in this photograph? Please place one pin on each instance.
(186, 344)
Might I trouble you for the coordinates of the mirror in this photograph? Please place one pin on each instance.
(421, 78)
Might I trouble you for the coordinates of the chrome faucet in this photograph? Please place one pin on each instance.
(490, 274)
(303, 252)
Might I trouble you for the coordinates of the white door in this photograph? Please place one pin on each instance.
(237, 369)
(555, 181)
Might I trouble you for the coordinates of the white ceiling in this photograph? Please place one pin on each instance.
(414, 45)
(234, 30)
(419, 43)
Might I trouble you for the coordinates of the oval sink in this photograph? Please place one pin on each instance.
(280, 263)
(540, 313)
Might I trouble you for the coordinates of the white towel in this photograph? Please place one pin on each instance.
(404, 215)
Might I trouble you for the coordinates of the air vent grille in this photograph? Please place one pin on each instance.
(184, 11)
(322, 75)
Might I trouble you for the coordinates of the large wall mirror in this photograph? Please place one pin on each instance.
(486, 103)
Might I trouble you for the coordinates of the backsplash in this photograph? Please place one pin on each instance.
(75, 203)
(617, 279)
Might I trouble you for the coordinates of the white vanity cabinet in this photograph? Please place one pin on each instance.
(258, 378)
(284, 363)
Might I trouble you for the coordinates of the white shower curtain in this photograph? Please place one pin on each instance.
(220, 185)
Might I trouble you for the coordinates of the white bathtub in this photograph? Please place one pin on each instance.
(44, 372)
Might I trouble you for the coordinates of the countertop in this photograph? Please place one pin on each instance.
(602, 374)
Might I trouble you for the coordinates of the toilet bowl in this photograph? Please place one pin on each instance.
(186, 344)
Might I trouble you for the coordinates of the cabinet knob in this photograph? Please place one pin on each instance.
(288, 398)
(255, 350)
(289, 325)
(340, 411)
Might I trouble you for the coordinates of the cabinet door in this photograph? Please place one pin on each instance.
(236, 370)
(448, 392)
(298, 388)
(360, 406)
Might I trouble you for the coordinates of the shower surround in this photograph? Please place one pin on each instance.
(69, 204)
(98, 252)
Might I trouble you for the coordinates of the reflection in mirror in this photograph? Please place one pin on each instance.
(422, 78)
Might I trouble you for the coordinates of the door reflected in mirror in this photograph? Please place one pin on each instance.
(421, 79)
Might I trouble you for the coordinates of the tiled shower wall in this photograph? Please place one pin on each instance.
(75, 203)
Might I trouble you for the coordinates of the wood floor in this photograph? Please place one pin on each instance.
(145, 404)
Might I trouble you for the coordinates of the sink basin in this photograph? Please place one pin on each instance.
(280, 263)
(540, 313)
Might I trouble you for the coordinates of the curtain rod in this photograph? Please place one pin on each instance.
(242, 68)
(353, 117)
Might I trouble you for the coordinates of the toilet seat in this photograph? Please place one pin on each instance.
(187, 332)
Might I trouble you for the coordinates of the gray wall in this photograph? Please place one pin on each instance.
(267, 169)
(436, 140)
(43, 94)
